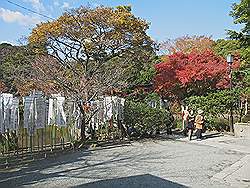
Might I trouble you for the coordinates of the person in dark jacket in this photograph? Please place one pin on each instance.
(190, 126)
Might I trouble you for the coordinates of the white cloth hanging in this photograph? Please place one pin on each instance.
(115, 106)
(14, 116)
(69, 111)
(60, 114)
(101, 111)
(40, 112)
(78, 122)
(29, 114)
(7, 100)
(51, 112)
(108, 108)
(1, 115)
(121, 103)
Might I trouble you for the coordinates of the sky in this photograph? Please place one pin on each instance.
(169, 19)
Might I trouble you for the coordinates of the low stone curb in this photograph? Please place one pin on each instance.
(224, 174)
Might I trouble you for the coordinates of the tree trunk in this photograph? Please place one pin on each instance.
(83, 124)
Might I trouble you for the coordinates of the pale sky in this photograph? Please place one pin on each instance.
(169, 18)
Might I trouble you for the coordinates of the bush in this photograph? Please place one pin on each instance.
(216, 124)
(145, 120)
(216, 107)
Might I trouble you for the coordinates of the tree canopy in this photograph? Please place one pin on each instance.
(183, 75)
(240, 14)
(15, 65)
(91, 51)
(85, 41)
(187, 44)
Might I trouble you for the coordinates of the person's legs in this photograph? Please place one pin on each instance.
(198, 133)
(185, 130)
(190, 132)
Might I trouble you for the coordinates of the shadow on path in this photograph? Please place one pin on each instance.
(31, 173)
(178, 135)
(140, 181)
(212, 135)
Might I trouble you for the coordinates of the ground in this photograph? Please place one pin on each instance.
(218, 161)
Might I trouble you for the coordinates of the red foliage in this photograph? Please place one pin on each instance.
(182, 74)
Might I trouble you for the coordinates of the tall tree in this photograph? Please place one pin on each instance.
(183, 75)
(187, 44)
(90, 51)
(240, 13)
(15, 64)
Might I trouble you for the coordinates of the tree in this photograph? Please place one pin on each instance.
(216, 105)
(15, 66)
(183, 75)
(224, 47)
(187, 44)
(240, 14)
(90, 51)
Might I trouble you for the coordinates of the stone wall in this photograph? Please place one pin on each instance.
(242, 130)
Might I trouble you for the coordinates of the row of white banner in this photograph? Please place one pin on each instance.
(39, 112)
(9, 112)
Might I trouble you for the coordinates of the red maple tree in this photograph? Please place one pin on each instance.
(182, 75)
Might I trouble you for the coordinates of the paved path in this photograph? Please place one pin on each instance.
(238, 174)
(213, 162)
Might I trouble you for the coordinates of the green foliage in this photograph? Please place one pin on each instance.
(241, 78)
(124, 7)
(16, 64)
(141, 69)
(216, 105)
(240, 14)
(224, 47)
(145, 76)
(153, 97)
(145, 97)
(146, 120)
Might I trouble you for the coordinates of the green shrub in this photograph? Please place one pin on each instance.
(216, 107)
(216, 124)
(146, 120)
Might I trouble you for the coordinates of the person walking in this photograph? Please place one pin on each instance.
(190, 127)
(199, 123)
(185, 116)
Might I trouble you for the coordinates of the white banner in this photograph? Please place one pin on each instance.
(1, 115)
(70, 111)
(101, 111)
(121, 103)
(29, 113)
(7, 100)
(78, 121)
(40, 113)
(14, 120)
(108, 111)
(60, 114)
(51, 112)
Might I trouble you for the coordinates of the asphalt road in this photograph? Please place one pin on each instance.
(148, 164)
